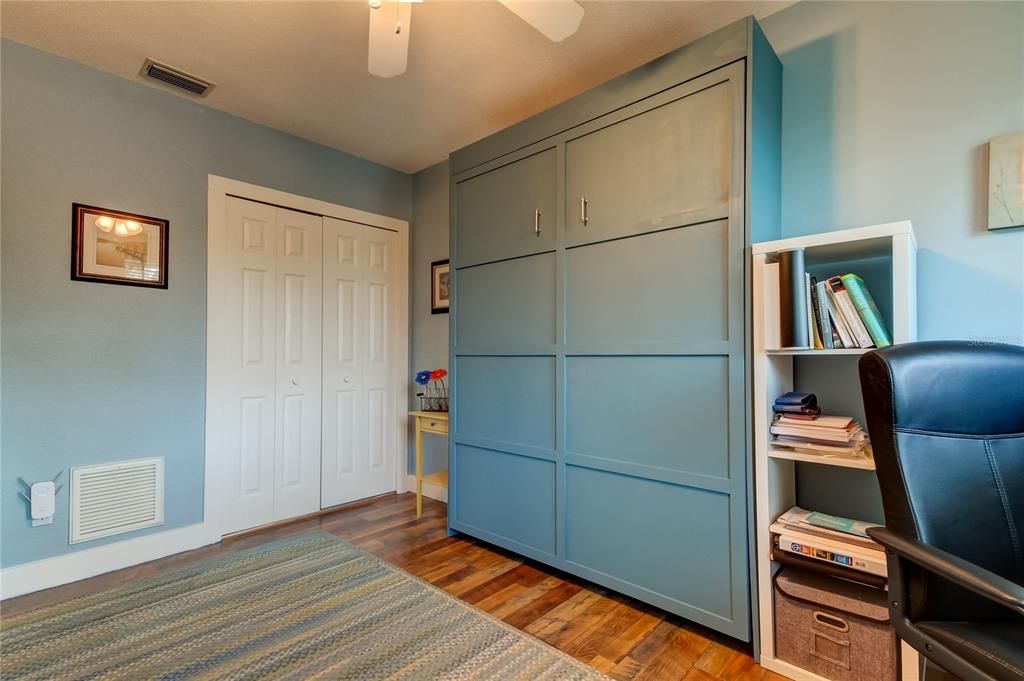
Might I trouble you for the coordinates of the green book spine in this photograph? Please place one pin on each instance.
(866, 308)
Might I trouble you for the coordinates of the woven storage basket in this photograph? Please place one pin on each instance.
(834, 628)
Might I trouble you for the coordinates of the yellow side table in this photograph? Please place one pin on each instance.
(428, 422)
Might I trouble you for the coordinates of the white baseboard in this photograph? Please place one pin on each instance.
(430, 491)
(21, 579)
(71, 567)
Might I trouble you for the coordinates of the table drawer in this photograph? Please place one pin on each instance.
(439, 426)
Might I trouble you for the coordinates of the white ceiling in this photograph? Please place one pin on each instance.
(474, 67)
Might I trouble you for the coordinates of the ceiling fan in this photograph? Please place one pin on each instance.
(390, 23)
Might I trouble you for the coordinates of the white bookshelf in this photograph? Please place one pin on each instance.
(891, 247)
(820, 353)
(862, 463)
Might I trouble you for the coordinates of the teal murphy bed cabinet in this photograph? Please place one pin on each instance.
(599, 324)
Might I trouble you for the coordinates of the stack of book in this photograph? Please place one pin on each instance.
(821, 538)
(822, 436)
(842, 314)
(836, 313)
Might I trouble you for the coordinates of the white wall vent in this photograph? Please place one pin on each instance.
(116, 497)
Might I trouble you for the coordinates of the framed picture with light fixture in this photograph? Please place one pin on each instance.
(115, 247)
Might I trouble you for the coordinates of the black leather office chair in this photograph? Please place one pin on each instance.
(946, 421)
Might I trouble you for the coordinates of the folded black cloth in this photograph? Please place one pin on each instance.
(803, 411)
(797, 403)
(795, 399)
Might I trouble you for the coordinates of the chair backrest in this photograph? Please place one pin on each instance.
(946, 421)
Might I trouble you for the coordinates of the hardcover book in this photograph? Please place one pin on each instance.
(792, 301)
(866, 308)
(846, 307)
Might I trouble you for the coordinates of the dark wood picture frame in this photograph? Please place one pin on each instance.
(79, 268)
(439, 305)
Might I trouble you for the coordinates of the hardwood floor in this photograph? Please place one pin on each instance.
(617, 635)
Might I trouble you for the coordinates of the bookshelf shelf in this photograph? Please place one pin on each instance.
(864, 464)
(885, 257)
(818, 353)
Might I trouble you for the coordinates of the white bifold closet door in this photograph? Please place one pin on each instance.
(360, 423)
(274, 298)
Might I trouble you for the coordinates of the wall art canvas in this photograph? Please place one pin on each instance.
(439, 292)
(1006, 181)
(115, 247)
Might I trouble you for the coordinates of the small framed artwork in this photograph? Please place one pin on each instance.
(1006, 181)
(439, 289)
(114, 247)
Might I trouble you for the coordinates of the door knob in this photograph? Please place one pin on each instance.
(347, 379)
(295, 381)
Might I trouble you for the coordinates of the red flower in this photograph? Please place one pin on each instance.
(438, 374)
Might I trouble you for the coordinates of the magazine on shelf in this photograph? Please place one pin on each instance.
(834, 527)
(843, 553)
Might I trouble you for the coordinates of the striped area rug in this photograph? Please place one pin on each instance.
(312, 607)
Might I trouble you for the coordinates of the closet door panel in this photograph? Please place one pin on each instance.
(382, 419)
(670, 413)
(615, 290)
(506, 304)
(506, 496)
(299, 291)
(663, 167)
(496, 210)
(519, 410)
(642, 535)
(359, 423)
(247, 480)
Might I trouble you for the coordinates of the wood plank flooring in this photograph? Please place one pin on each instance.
(625, 639)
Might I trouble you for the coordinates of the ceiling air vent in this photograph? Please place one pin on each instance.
(176, 78)
(114, 498)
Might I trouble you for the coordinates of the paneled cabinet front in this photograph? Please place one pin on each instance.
(507, 211)
(660, 163)
(599, 395)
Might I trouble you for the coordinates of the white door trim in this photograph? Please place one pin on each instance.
(219, 189)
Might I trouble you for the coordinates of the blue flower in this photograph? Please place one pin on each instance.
(423, 377)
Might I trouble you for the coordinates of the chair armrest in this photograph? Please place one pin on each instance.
(957, 570)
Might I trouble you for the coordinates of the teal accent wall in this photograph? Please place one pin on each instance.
(429, 349)
(95, 373)
(887, 112)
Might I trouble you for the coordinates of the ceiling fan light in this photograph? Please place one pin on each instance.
(104, 223)
(375, 4)
(389, 40)
(556, 19)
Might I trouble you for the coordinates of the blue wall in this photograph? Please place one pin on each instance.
(887, 111)
(95, 373)
(429, 348)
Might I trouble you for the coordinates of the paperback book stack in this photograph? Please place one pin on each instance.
(830, 543)
(824, 436)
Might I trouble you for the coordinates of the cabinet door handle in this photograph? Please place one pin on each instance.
(583, 210)
(536, 222)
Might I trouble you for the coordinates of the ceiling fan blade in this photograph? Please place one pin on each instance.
(556, 19)
(389, 48)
